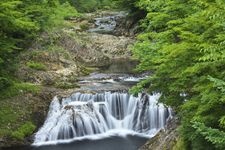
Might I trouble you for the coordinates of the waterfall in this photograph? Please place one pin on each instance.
(89, 114)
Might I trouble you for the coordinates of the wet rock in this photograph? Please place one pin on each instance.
(67, 107)
(164, 139)
(90, 105)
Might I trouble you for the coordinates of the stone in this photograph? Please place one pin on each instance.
(164, 139)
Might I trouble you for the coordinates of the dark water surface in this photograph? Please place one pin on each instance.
(109, 143)
(121, 65)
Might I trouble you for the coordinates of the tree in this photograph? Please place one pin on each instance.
(21, 21)
(183, 44)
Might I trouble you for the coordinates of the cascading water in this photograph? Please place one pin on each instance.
(89, 114)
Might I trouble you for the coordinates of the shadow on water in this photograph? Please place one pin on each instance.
(110, 143)
(120, 66)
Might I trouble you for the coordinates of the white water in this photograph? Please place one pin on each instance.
(90, 115)
(107, 24)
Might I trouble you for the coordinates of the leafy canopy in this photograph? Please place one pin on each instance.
(183, 43)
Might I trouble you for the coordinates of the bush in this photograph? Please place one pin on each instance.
(92, 5)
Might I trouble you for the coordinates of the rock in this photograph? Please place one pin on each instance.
(164, 139)
(68, 107)
(48, 79)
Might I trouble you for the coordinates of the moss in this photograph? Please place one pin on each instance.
(13, 113)
(66, 85)
(59, 50)
(84, 27)
(179, 145)
(7, 118)
(88, 70)
(19, 88)
(7, 114)
(36, 65)
(14, 108)
(23, 131)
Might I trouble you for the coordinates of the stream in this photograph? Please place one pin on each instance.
(102, 115)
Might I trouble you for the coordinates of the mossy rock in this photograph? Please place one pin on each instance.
(37, 66)
(66, 85)
(19, 88)
(84, 26)
(23, 131)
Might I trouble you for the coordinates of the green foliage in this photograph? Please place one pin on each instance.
(86, 5)
(179, 145)
(22, 20)
(128, 4)
(91, 5)
(215, 136)
(37, 66)
(184, 45)
(58, 14)
(4, 83)
(25, 130)
(84, 27)
(14, 27)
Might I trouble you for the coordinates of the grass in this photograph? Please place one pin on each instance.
(23, 131)
(19, 88)
(36, 66)
(179, 145)
(14, 112)
(66, 85)
(88, 70)
(7, 118)
(59, 50)
(84, 27)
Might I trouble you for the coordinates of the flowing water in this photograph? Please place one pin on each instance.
(84, 114)
(102, 115)
(106, 24)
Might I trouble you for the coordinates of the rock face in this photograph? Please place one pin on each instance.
(164, 139)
